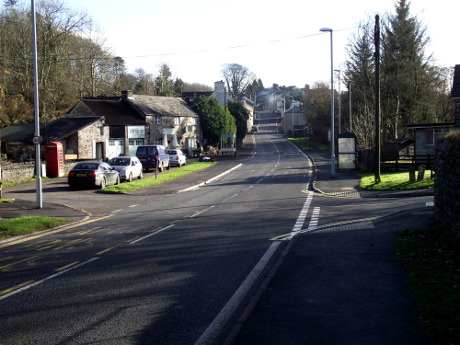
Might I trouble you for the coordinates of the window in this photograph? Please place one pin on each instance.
(111, 142)
(177, 120)
(193, 120)
(159, 120)
(100, 130)
(429, 137)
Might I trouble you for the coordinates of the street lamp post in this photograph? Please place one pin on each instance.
(37, 138)
(339, 124)
(332, 105)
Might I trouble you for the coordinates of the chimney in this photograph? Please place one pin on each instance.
(125, 94)
(220, 92)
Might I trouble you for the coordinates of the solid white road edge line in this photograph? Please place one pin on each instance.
(198, 213)
(211, 333)
(210, 180)
(152, 234)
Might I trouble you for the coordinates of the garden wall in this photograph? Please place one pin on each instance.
(21, 171)
(447, 181)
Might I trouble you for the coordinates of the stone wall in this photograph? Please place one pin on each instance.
(17, 171)
(447, 181)
(22, 171)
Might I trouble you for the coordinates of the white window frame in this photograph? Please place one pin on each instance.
(158, 120)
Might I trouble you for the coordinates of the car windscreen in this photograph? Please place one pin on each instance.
(86, 166)
(146, 151)
(119, 161)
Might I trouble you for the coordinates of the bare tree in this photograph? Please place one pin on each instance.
(238, 78)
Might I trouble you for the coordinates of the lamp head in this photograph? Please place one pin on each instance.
(325, 30)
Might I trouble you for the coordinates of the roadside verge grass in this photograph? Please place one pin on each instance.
(27, 225)
(432, 257)
(394, 181)
(161, 177)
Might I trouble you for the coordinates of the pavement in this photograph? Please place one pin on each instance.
(334, 286)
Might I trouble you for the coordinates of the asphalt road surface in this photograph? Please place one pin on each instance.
(165, 269)
(160, 269)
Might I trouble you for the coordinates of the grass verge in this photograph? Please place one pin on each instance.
(161, 177)
(394, 181)
(307, 144)
(432, 257)
(27, 225)
(302, 143)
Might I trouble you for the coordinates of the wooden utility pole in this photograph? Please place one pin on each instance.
(377, 150)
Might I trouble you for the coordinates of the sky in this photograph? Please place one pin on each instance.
(279, 41)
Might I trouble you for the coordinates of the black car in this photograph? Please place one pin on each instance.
(92, 174)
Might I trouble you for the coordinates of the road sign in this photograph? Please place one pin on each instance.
(37, 139)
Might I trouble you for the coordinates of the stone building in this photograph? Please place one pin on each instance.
(105, 127)
(133, 120)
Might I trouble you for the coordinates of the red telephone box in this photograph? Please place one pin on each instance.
(54, 156)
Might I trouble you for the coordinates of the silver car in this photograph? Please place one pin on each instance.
(176, 157)
(129, 167)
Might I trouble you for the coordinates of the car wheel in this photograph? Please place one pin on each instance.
(130, 177)
(103, 183)
(160, 168)
(168, 166)
(72, 187)
(117, 181)
(141, 175)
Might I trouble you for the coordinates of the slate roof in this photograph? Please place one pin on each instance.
(52, 131)
(166, 106)
(63, 127)
(17, 132)
(116, 111)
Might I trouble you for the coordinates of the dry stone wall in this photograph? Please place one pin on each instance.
(447, 181)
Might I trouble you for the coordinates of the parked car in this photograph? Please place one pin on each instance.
(92, 174)
(149, 155)
(129, 167)
(176, 157)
